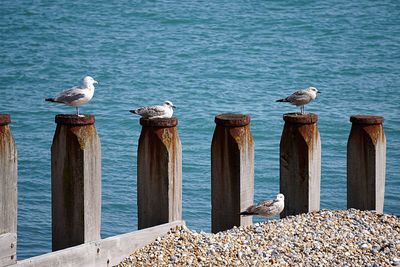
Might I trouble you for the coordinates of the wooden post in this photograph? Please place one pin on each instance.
(75, 181)
(300, 163)
(159, 173)
(366, 163)
(8, 193)
(232, 171)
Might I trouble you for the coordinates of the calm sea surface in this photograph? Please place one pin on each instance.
(208, 58)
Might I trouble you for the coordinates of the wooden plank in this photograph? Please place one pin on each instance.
(8, 250)
(232, 171)
(300, 164)
(106, 252)
(159, 173)
(366, 163)
(8, 180)
(76, 182)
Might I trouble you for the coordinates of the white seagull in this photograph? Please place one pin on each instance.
(76, 96)
(266, 208)
(154, 112)
(301, 97)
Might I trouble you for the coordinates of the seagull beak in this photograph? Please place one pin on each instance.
(95, 82)
(173, 106)
(318, 92)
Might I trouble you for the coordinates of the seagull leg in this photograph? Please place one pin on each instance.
(302, 109)
(77, 112)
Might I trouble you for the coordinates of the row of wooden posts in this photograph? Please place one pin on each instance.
(76, 172)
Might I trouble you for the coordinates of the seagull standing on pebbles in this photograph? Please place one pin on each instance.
(155, 112)
(301, 97)
(266, 208)
(76, 96)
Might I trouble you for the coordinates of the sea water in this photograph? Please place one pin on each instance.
(207, 57)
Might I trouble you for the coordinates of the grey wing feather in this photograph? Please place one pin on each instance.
(299, 97)
(262, 206)
(150, 111)
(300, 92)
(70, 95)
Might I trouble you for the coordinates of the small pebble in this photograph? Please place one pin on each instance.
(323, 238)
(396, 262)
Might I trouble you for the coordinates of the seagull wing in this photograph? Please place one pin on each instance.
(264, 206)
(299, 98)
(70, 95)
(150, 111)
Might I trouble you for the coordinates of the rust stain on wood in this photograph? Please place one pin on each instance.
(375, 132)
(76, 182)
(5, 119)
(300, 156)
(159, 172)
(84, 134)
(232, 168)
(366, 163)
(8, 178)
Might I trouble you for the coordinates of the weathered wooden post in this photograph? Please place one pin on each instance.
(75, 181)
(300, 163)
(232, 171)
(8, 193)
(366, 163)
(159, 173)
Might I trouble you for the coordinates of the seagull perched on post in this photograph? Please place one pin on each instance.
(76, 96)
(301, 97)
(154, 112)
(266, 208)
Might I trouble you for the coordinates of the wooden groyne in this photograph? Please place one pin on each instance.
(300, 164)
(8, 193)
(366, 163)
(76, 181)
(159, 173)
(232, 171)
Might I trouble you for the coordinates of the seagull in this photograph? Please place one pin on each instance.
(266, 208)
(76, 96)
(301, 97)
(154, 112)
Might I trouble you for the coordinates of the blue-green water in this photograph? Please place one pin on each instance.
(208, 58)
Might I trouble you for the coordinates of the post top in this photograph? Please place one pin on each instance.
(160, 122)
(308, 118)
(5, 119)
(74, 120)
(366, 119)
(232, 120)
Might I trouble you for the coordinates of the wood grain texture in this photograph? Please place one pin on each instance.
(232, 176)
(102, 253)
(300, 167)
(8, 249)
(366, 167)
(8, 181)
(8, 196)
(159, 174)
(76, 185)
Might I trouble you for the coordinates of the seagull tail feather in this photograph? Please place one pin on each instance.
(134, 111)
(282, 100)
(246, 213)
(50, 99)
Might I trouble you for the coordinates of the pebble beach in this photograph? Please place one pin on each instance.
(324, 238)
